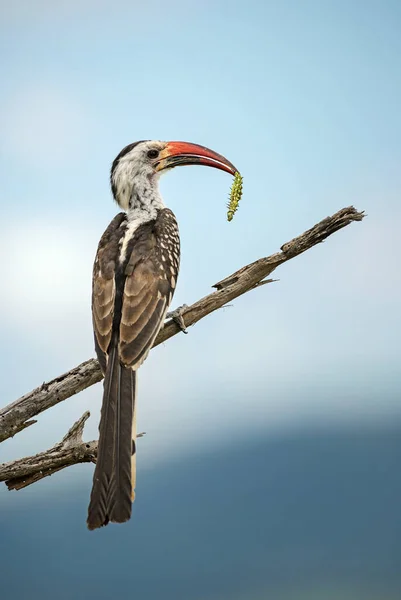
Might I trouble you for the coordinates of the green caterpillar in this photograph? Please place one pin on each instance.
(235, 196)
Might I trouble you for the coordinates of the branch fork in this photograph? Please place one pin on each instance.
(72, 449)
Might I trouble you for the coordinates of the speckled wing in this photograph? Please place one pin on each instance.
(150, 280)
(134, 279)
(104, 287)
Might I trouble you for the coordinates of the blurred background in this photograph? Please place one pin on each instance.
(270, 468)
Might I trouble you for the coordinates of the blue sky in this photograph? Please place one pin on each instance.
(304, 98)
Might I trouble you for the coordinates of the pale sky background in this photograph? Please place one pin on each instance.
(304, 98)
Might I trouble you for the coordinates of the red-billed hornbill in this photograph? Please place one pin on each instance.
(134, 278)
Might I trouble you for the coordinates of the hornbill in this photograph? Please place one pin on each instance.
(134, 278)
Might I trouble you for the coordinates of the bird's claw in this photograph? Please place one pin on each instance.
(176, 316)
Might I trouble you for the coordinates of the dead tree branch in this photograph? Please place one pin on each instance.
(72, 450)
(17, 416)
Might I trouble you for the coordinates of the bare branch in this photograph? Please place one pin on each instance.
(72, 450)
(16, 416)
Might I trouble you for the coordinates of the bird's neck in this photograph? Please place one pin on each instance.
(145, 201)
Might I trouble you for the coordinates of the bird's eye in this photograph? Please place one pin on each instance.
(153, 153)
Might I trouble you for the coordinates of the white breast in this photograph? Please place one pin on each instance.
(129, 232)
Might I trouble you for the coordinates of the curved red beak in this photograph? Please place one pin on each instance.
(184, 153)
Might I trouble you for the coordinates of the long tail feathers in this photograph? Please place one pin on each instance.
(115, 472)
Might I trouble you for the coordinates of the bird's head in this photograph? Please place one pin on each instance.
(136, 169)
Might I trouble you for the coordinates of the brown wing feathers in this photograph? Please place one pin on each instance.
(129, 303)
(104, 287)
(144, 307)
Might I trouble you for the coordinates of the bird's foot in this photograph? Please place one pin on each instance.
(176, 316)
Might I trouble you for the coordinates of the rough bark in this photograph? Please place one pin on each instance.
(72, 450)
(17, 416)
